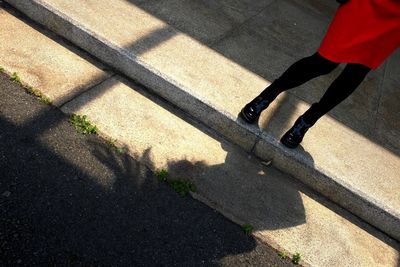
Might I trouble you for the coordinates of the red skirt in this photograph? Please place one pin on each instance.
(364, 32)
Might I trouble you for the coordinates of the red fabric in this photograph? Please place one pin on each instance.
(364, 32)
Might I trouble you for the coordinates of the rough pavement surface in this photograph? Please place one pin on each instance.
(71, 200)
(145, 41)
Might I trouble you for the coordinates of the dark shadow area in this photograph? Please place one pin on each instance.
(79, 214)
(72, 200)
(249, 191)
(279, 206)
(234, 181)
(58, 215)
(153, 40)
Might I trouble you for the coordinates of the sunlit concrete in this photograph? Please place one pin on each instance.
(51, 66)
(125, 114)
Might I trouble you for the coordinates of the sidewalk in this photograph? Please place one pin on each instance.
(283, 212)
(72, 200)
(210, 62)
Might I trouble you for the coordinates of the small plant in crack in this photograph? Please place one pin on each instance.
(162, 175)
(29, 89)
(112, 142)
(82, 124)
(121, 150)
(282, 255)
(15, 78)
(114, 145)
(247, 229)
(296, 258)
(182, 187)
(38, 94)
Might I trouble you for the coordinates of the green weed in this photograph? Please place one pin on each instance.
(38, 94)
(296, 258)
(82, 124)
(121, 150)
(182, 187)
(15, 78)
(162, 175)
(282, 255)
(247, 229)
(112, 142)
(35, 92)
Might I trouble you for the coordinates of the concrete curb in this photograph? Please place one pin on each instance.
(334, 188)
(248, 137)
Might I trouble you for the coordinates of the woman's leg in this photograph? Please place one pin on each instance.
(342, 87)
(300, 72)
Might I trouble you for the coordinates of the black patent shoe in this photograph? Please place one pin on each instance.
(252, 110)
(294, 136)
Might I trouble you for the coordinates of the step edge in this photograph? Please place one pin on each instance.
(196, 102)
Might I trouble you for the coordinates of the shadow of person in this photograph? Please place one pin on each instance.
(73, 201)
(245, 190)
(167, 228)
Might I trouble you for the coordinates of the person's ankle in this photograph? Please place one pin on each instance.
(312, 115)
(270, 93)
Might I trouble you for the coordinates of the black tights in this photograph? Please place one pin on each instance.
(310, 67)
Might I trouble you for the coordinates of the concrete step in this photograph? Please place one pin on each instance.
(338, 161)
(283, 212)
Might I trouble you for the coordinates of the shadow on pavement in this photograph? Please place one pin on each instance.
(71, 200)
(64, 209)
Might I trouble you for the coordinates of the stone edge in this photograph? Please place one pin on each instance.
(243, 135)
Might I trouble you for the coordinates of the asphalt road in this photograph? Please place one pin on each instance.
(68, 199)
